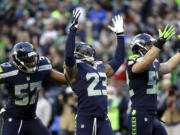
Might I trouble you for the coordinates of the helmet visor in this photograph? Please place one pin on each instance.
(30, 62)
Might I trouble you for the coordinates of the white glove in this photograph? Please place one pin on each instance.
(75, 17)
(118, 25)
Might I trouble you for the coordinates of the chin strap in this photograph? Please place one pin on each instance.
(142, 49)
(142, 52)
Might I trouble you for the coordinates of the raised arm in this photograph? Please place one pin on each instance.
(70, 62)
(171, 64)
(112, 66)
(146, 61)
(150, 56)
(57, 77)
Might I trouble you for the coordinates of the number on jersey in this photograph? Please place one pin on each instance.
(96, 79)
(152, 83)
(22, 97)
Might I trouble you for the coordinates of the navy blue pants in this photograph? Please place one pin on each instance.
(144, 123)
(23, 127)
(86, 125)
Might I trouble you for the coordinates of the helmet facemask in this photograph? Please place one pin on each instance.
(85, 52)
(144, 49)
(27, 63)
(142, 43)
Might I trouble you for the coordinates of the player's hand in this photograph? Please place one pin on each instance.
(75, 17)
(167, 33)
(118, 25)
(164, 36)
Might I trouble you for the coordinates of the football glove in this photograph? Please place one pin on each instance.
(118, 25)
(165, 35)
(75, 17)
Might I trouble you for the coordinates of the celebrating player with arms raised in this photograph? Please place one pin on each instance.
(88, 79)
(143, 69)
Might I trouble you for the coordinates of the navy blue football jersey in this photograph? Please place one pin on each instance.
(23, 88)
(143, 86)
(90, 87)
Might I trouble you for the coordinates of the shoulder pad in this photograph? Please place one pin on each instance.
(7, 69)
(44, 64)
(133, 57)
(43, 59)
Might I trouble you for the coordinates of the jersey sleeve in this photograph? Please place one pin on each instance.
(7, 71)
(45, 65)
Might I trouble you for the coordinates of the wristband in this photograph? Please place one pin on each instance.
(160, 42)
(120, 34)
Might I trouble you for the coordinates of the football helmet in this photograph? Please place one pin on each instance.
(84, 52)
(140, 42)
(25, 58)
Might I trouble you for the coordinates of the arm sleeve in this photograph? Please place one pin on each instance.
(69, 50)
(119, 54)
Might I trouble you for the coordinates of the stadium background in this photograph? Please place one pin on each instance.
(44, 23)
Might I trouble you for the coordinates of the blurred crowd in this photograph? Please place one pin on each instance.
(45, 24)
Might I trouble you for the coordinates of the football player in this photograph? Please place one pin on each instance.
(24, 75)
(143, 70)
(88, 79)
